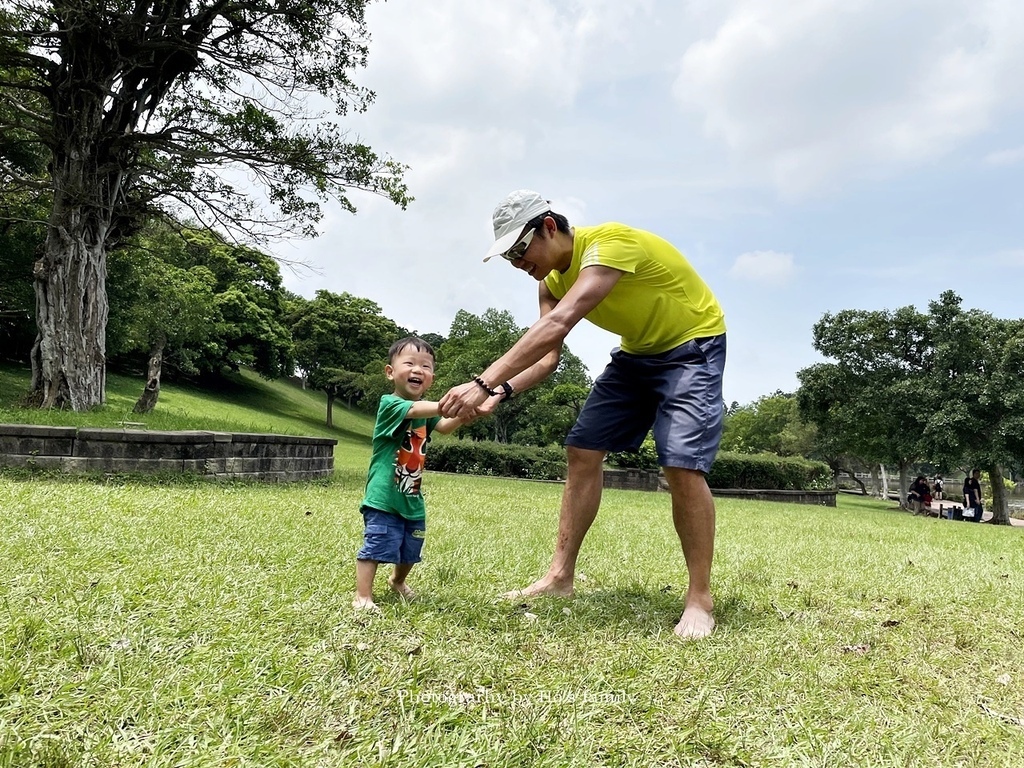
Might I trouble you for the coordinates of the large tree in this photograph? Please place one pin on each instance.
(875, 400)
(771, 423)
(148, 105)
(946, 386)
(978, 412)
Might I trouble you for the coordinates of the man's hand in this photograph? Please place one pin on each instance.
(463, 401)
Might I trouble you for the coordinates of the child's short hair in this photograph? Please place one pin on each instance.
(410, 341)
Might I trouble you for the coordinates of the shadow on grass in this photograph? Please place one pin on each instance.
(631, 611)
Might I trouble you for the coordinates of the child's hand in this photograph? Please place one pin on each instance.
(488, 406)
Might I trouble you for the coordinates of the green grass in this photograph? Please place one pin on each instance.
(156, 623)
(243, 403)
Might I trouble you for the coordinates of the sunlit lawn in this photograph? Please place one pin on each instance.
(185, 623)
(208, 625)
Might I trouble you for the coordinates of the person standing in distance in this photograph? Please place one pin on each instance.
(666, 375)
(972, 495)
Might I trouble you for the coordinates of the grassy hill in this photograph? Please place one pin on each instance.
(242, 403)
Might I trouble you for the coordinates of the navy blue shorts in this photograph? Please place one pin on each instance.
(390, 538)
(678, 393)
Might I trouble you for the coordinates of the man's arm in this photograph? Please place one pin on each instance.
(536, 354)
(536, 372)
(545, 336)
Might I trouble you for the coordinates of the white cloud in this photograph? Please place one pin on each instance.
(763, 267)
(1005, 156)
(810, 92)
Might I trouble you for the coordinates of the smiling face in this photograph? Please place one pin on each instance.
(412, 371)
(548, 250)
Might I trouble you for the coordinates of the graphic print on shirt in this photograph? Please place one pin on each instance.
(409, 461)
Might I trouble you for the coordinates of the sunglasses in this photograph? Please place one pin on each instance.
(517, 251)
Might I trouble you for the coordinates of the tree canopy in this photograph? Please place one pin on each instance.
(190, 299)
(770, 424)
(142, 107)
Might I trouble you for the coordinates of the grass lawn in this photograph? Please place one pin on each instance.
(184, 623)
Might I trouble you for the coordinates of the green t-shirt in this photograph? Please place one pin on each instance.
(396, 465)
(659, 302)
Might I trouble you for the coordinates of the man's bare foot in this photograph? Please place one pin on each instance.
(546, 586)
(365, 604)
(404, 590)
(695, 623)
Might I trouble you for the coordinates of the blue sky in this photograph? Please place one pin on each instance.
(806, 155)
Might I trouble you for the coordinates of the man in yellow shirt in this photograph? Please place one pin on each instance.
(666, 375)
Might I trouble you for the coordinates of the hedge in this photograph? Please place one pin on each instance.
(484, 457)
(763, 471)
(756, 471)
(768, 472)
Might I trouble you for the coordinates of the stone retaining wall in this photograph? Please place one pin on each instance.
(217, 455)
(632, 479)
(819, 498)
(650, 480)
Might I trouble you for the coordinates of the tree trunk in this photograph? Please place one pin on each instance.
(1000, 508)
(853, 476)
(69, 356)
(876, 485)
(904, 483)
(330, 409)
(147, 400)
(885, 482)
(500, 429)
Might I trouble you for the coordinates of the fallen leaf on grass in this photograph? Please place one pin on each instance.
(862, 648)
(1004, 679)
(1018, 721)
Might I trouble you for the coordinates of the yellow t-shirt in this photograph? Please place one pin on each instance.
(659, 302)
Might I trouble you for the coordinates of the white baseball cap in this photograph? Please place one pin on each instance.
(512, 214)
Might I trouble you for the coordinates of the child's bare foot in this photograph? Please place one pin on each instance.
(402, 589)
(365, 604)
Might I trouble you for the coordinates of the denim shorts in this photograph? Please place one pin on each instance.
(390, 538)
(678, 393)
